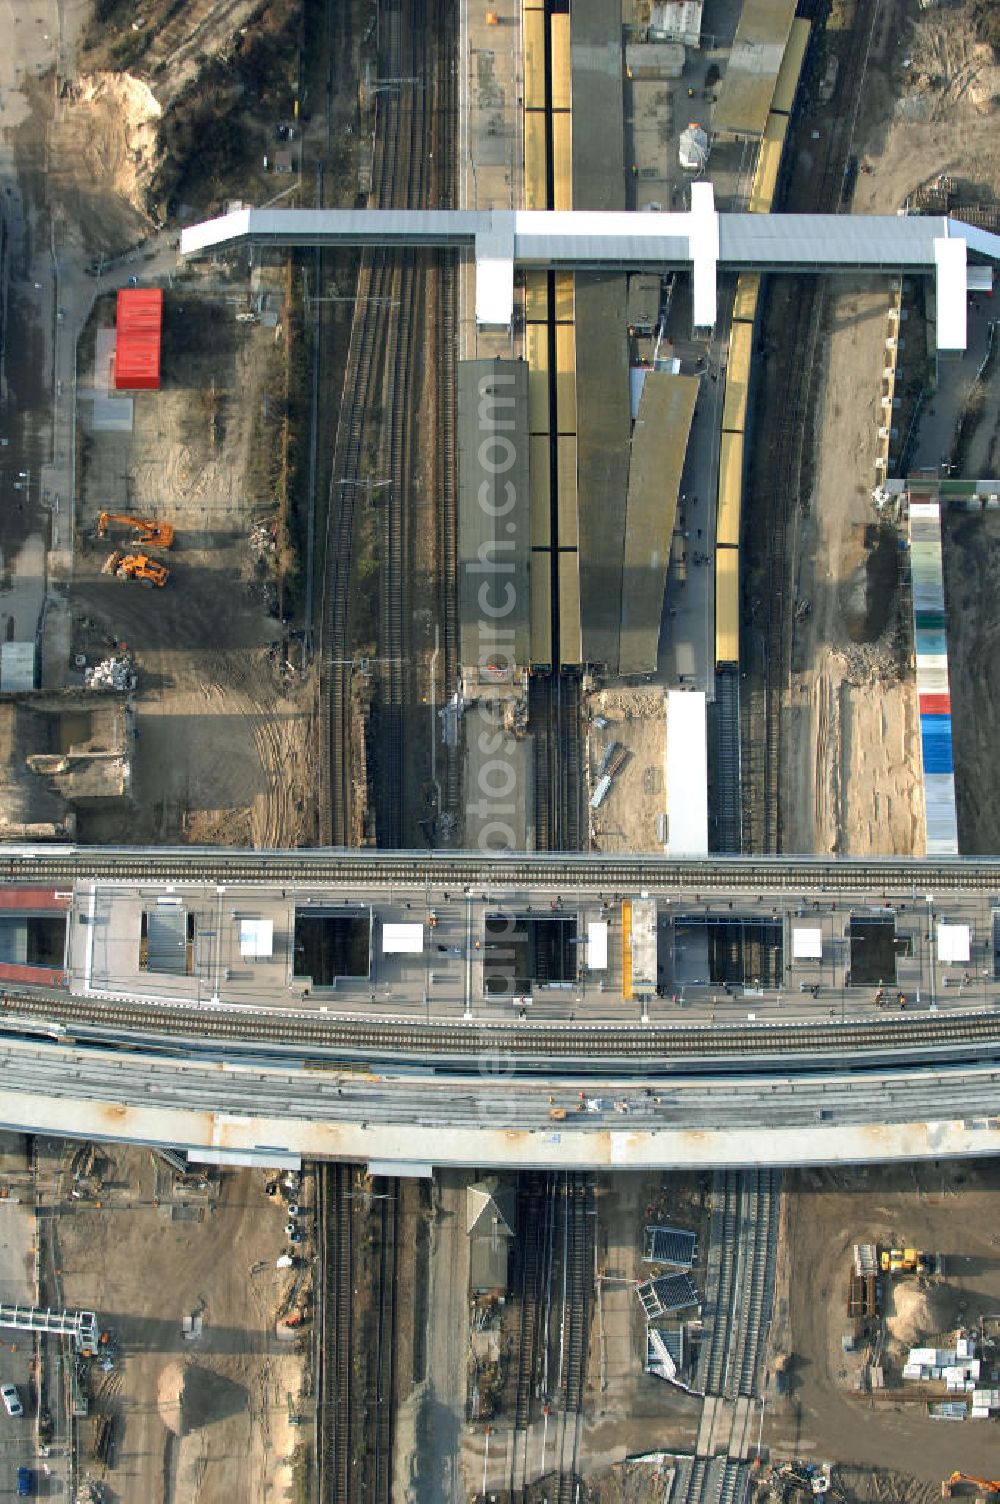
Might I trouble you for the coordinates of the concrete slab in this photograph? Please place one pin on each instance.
(22, 589)
(17, 1242)
(112, 415)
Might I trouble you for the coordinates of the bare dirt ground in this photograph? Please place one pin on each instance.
(852, 777)
(851, 717)
(206, 1419)
(225, 730)
(225, 748)
(637, 720)
(943, 1207)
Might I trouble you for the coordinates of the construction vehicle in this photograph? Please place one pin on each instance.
(986, 1485)
(909, 1261)
(149, 533)
(139, 567)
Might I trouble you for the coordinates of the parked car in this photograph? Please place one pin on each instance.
(25, 1483)
(11, 1399)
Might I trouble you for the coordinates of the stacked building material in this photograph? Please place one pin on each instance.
(114, 674)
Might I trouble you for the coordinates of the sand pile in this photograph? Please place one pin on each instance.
(189, 1396)
(121, 115)
(919, 1310)
(170, 1397)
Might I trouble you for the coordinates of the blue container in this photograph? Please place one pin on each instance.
(935, 737)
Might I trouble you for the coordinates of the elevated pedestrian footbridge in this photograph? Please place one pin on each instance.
(700, 239)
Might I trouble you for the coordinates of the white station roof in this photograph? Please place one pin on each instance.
(953, 943)
(256, 938)
(952, 291)
(807, 944)
(402, 939)
(597, 945)
(687, 773)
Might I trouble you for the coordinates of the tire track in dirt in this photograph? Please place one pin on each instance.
(282, 734)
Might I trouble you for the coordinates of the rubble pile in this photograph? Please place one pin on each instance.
(262, 538)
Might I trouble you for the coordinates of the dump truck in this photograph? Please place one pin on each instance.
(147, 531)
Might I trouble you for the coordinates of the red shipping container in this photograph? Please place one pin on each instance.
(41, 900)
(935, 703)
(137, 339)
(139, 308)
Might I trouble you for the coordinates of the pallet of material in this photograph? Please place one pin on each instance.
(862, 1294)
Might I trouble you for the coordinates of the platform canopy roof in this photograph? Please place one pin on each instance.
(491, 1209)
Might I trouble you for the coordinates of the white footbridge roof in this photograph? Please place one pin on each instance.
(700, 239)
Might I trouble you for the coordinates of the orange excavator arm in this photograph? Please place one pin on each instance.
(991, 1485)
(153, 534)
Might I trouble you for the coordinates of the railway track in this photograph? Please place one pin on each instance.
(540, 696)
(408, 284)
(879, 879)
(347, 1473)
(554, 714)
(336, 679)
(758, 1291)
(351, 472)
(712, 1480)
(383, 1429)
(892, 1040)
(443, 346)
(777, 481)
(741, 1267)
(745, 1233)
(534, 1211)
(577, 1281)
(570, 743)
(734, 1482)
(375, 452)
(718, 1347)
(794, 311)
(335, 1349)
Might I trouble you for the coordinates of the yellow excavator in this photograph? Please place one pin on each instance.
(138, 567)
(149, 533)
(985, 1485)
